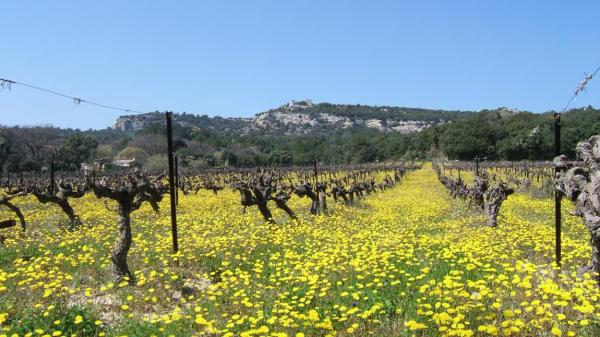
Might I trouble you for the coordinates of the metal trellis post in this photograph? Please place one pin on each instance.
(172, 183)
(176, 179)
(557, 193)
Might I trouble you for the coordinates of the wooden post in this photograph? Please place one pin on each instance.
(315, 169)
(176, 179)
(557, 194)
(172, 182)
(477, 166)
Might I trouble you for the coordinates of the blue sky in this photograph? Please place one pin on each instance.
(238, 58)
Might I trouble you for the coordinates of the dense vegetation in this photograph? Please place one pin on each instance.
(368, 111)
(497, 134)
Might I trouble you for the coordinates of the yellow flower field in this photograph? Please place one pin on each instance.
(410, 261)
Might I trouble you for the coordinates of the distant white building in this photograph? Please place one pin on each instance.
(293, 105)
(126, 163)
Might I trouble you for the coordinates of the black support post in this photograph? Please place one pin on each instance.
(176, 180)
(172, 182)
(557, 193)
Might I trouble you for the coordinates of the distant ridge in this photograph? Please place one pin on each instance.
(305, 117)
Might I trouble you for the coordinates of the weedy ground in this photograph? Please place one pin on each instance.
(409, 261)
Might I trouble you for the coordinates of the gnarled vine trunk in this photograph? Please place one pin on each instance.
(119, 254)
(480, 195)
(494, 199)
(6, 201)
(63, 202)
(17, 212)
(581, 185)
(74, 220)
(130, 194)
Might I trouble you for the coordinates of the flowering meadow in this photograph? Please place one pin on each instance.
(408, 261)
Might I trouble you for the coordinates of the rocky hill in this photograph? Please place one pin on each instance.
(304, 117)
(133, 123)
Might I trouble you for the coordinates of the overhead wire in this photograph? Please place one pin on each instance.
(6, 83)
(581, 87)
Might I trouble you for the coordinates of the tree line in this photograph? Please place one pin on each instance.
(495, 134)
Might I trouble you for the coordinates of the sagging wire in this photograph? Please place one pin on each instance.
(581, 87)
(7, 84)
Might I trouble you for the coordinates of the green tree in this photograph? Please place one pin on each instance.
(132, 152)
(105, 151)
(76, 150)
(467, 139)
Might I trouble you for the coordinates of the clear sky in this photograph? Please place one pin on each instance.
(238, 58)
